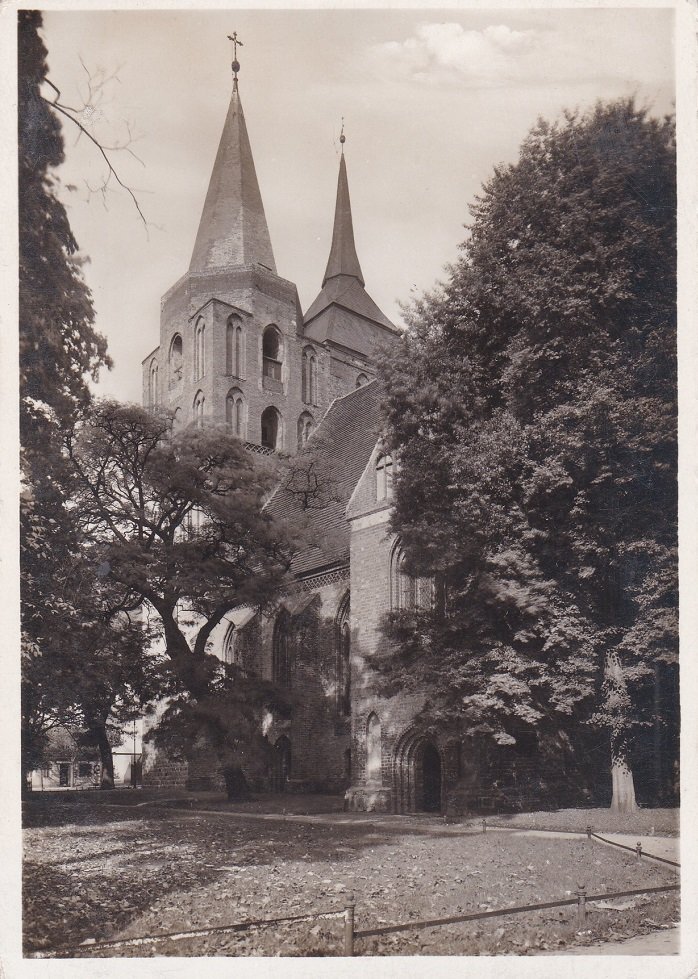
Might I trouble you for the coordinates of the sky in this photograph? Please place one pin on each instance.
(432, 101)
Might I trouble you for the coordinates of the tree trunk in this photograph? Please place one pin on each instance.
(623, 799)
(98, 736)
(236, 786)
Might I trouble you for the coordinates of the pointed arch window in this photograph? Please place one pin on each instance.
(384, 477)
(235, 413)
(343, 643)
(153, 396)
(231, 653)
(304, 428)
(409, 592)
(272, 355)
(176, 361)
(200, 349)
(271, 428)
(282, 651)
(309, 378)
(199, 408)
(234, 347)
(373, 749)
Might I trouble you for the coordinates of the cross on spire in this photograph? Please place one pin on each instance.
(236, 64)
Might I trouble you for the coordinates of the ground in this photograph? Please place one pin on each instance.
(96, 869)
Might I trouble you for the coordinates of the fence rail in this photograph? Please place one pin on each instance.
(191, 933)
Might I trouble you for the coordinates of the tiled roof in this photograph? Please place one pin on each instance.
(347, 293)
(345, 439)
(233, 228)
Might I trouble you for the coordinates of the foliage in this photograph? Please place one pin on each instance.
(59, 349)
(176, 522)
(533, 405)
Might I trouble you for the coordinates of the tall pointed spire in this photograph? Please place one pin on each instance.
(233, 228)
(343, 259)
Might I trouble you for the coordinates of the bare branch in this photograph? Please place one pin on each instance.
(70, 113)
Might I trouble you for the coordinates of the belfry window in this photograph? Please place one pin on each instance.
(271, 428)
(384, 477)
(235, 413)
(234, 348)
(361, 380)
(271, 353)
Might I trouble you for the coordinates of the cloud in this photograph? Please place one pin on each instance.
(441, 53)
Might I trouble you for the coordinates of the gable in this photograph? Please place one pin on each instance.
(340, 447)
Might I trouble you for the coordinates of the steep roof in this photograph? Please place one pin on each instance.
(343, 283)
(343, 259)
(342, 445)
(233, 228)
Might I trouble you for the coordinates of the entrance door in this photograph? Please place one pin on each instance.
(64, 774)
(431, 779)
(282, 764)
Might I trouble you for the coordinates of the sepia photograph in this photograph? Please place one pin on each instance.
(348, 407)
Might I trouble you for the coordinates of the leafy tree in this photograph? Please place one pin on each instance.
(533, 405)
(177, 524)
(59, 350)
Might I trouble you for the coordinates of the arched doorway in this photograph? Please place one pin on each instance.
(431, 779)
(417, 775)
(281, 764)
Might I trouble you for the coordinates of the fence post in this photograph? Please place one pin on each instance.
(581, 905)
(349, 924)
(588, 831)
(638, 851)
(484, 825)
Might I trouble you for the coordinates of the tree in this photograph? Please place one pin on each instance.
(59, 350)
(177, 524)
(533, 406)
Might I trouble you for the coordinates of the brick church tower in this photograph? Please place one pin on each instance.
(234, 345)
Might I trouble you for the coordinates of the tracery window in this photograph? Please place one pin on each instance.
(409, 592)
(384, 477)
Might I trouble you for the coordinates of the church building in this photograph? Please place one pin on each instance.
(236, 348)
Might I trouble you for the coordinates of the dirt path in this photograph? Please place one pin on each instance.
(665, 942)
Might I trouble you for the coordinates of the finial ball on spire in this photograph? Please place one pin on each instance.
(235, 65)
